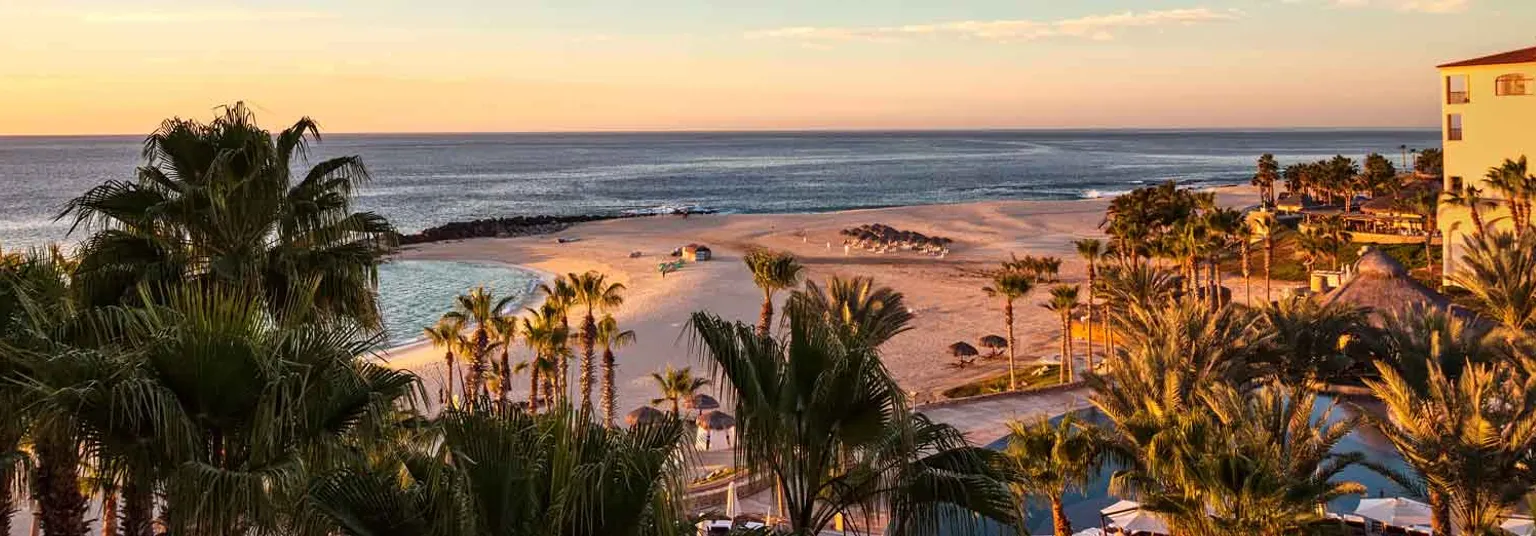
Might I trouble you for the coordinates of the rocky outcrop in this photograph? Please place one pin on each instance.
(510, 227)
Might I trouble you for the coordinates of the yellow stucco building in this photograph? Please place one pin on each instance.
(1488, 114)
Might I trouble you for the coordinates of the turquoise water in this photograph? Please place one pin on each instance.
(414, 294)
(1083, 508)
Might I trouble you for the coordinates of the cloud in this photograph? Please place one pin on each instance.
(1096, 27)
(195, 16)
(1411, 6)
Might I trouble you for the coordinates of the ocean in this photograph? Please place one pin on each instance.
(420, 180)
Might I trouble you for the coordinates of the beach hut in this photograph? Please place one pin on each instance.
(644, 414)
(696, 253)
(1383, 285)
(701, 402)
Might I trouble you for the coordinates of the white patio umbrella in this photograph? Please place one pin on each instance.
(1518, 526)
(1128, 516)
(1395, 511)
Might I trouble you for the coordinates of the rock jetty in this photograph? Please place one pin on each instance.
(514, 226)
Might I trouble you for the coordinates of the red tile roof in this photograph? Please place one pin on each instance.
(1524, 55)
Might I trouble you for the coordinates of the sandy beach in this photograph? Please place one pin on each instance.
(945, 293)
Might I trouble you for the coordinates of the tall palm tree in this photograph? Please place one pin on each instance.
(1472, 438)
(1268, 174)
(1514, 182)
(545, 332)
(595, 293)
(675, 385)
(479, 308)
(1063, 302)
(1265, 226)
(611, 336)
(1471, 198)
(1051, 460)
(1010, 285)
(825, 420)
(1500, 274)
(772, 271)
(1307, 341)
(448, 334)
(503, 335)
(1092, 251)
(858, 308)
(1426, 203)
(560, 297)
(217, 203)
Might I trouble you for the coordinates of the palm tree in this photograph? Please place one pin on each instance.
(1306, 339)
(480, 309)
(560, 297)
(503, 336)
(825, 420)
(545, 333)
(1471, 198)
(772, 271)
(216, 203)
(860, 309)
(509, 473)
(1051, 460)
(1268, 174)
(1500, 274)
(1264, 226)
(1471, 438)
(595, 293)
(611, 336)
(1063, 302)
(448, 334)
(1092, 251)
(1425, 203)
(1010, 285)
(1513, 181)
(675, 385)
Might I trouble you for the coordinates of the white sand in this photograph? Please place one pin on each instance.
(945, 293)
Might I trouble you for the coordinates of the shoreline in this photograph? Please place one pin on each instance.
(942, 292)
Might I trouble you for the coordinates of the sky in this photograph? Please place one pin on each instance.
(122, 66)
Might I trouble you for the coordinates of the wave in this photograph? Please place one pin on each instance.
(1096, 194)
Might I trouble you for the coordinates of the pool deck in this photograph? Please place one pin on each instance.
(985, 419)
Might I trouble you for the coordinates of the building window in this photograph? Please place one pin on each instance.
(1512, 84)
(1456, 90)
(1455, 184)
(1453, 127)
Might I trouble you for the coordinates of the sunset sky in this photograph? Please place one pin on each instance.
(97, 67)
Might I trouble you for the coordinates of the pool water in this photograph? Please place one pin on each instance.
(414, 294)
(1083, 508)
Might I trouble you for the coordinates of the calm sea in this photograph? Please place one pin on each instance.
(423, 180)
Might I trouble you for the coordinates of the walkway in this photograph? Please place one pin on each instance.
(985, 419)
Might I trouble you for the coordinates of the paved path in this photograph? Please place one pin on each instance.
(985, 420)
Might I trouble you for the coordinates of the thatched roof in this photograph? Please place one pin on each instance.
(1383, 285)
(644, 414)
(716, 420)
(701, 402)
(994, 341)
(962, 349)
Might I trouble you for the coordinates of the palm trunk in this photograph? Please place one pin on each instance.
(447, 392)
(588, 341)
(482, 341)
(1477, 217)
(1013, 382)
(1059, 519)
(138, 507)
(1269, 253)
(563, 376)
(1440, 513)
(765, 318)
(109, 512)
(1066, 348)
(1089, 321)
(533, 386)
(58, 488)
(676, 410)
(608, 389)
(7, 500)
(506, 374)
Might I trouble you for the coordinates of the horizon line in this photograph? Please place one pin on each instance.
(852, 130)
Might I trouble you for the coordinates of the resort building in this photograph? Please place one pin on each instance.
(1488, 108)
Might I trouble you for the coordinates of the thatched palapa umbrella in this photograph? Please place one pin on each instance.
(701, 402)
(716, 420)
(995, 343)
(644, 414)
(1384, 286)
(962, 349)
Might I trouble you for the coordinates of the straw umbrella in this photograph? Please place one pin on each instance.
(962, 350)
(644, 414)
(1384, 286)
(701, 402)
(714, 420)
(995, 343)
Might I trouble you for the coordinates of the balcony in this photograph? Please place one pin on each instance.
(1457, 97)
(1453, 134)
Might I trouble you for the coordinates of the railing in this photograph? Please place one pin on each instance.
(1457, 97)
(1453, 134)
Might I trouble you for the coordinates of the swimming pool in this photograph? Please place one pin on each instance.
(414, 294)
(1083, 508)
